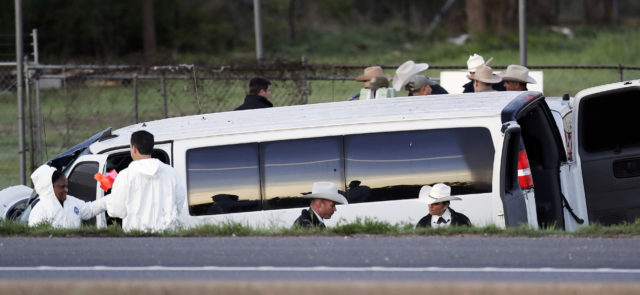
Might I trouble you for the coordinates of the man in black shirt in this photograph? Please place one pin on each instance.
(440, 214)
(258, 97)
(324, 197)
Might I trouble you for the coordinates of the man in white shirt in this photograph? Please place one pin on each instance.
(148, 195)
(55, 206)
(325, 197)
(440, 214)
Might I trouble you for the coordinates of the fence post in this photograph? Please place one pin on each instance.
(38, 116)
(20, 91)
(163, 84)
(304, 88)
(29, 100)
(135, 95)
(620, 72)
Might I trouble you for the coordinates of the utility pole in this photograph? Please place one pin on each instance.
(257, 12)
(522, 9)
(20, 91)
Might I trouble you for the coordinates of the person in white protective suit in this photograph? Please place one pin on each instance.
(148, 195)
(55, 206)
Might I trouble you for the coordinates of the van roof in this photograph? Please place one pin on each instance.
(317, 115)
(607, 87)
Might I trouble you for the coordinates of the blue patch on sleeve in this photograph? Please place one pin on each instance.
(76, 210)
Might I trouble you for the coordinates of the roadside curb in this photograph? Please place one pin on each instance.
(97, 287)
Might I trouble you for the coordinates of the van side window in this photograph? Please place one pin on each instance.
(292, 166)
(223, 179)
(81, 182)
(605, 126)
(394, 165)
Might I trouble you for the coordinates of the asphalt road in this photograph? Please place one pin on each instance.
(324, 258)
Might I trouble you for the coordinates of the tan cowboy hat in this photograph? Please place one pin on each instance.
(485, 74)
(326, 190)
(475, 61)
(517, 73)
(371, 72)
(439, 193)
(405, 71)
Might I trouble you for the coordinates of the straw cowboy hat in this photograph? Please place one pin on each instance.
(475, 61)
(326, 190)
(371, 72)
(485, 74)
(439, 193)
(405, 72)
(517, 73)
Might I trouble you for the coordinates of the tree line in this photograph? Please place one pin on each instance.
(153, 31)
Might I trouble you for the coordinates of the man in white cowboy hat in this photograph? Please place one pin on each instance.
(440, 214)
(409, 70)
(375, 73)
(484, 79)
(324, 197)
(473, 62)
(516, 78)
(421, 85)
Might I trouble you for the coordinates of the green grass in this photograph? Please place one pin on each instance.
(10, 228)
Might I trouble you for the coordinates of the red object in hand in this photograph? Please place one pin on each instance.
(106, 181)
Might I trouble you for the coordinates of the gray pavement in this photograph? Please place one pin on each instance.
(331, 258)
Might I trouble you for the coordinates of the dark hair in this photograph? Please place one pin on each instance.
(56, 175)
(143, 141)
(257, 84)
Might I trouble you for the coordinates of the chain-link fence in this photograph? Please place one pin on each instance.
(66, 104)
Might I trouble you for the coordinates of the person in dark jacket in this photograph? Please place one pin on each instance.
(440, 214)
(258, 97)
(422, 85)
(324, 197)
(473, 62)
(516, 78)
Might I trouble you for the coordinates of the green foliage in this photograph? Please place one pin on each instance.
(623, 229)
(368, 226)
(359, 227)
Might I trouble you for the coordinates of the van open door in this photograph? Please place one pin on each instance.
(83, 186)
(606, 144)
(518, 202)
(545, 153)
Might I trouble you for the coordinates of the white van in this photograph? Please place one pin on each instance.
(603, 151)
(252, 166)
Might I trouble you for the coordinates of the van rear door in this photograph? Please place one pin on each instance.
(607, 150)
(542, 143)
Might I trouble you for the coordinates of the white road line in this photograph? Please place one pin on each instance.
(321, 269)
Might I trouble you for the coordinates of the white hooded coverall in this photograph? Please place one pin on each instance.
(67, 215)
(148, 196)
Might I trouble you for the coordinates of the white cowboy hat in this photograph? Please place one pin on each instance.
(405, 71)
(475, 61)
(326, 190)
(485, 74)
(517, 73)
(371, 72)
(439, 193)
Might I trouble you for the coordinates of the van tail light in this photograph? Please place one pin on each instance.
(524, 172)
